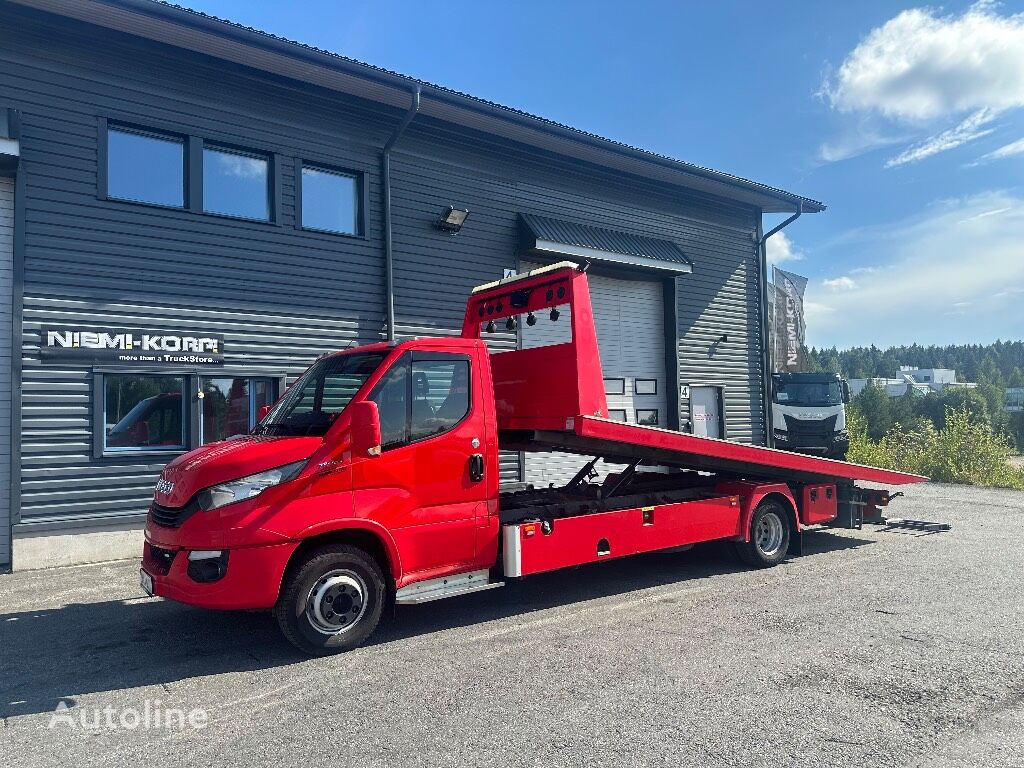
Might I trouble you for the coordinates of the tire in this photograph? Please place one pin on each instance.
(334, 575)
(769, 536)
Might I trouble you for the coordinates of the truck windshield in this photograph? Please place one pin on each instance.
(816, 393)
(312, 403)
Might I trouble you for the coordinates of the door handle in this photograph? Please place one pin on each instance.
(476, 467)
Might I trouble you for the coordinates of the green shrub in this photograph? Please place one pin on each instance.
(965, 450)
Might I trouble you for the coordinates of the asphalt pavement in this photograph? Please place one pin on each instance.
(873, 648)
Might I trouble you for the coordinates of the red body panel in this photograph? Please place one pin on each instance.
(750, 495)
(537, 388)
(252, 581)
(606, 535)
(230, 460)
(818, 504)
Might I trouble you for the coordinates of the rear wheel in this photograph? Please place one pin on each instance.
(332, 601)
(769, 536)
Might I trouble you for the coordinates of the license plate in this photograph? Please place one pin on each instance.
(146, 582)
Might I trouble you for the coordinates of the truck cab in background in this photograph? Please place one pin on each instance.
(809, 413)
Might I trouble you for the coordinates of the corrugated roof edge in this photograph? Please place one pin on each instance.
(179, 13)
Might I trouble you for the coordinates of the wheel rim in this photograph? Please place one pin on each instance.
(769, 535)
(337, 602)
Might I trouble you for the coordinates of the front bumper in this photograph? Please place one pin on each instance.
(251, 580)
(810, 443)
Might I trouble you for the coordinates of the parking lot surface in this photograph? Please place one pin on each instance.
(874, 648)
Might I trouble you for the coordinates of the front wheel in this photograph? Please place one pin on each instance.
(769, 536)
(332, 601)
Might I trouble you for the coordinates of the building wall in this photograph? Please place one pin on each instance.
(280, 295)
(6, 346)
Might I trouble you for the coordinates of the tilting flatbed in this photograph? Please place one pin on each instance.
(614, 440)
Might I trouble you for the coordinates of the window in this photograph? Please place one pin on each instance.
(236, 183)
(615, 386)
(330, 201)
(647, 417)
(645, 386)
(440, 396)
(420, 398)
(617, 414)
(144, 412)
(391, 397)
(230, 405)
(313, 402)
(145, 167)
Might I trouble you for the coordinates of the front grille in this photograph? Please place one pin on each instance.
(811, 426)
(172, 517)
(158, 559)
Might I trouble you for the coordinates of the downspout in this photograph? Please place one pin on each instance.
(385, 172)
(766, 352)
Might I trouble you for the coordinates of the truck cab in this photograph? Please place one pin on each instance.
(809, 413)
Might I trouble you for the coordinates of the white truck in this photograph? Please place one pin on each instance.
(809, 413)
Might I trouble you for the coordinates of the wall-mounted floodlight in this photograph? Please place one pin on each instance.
(452, 219)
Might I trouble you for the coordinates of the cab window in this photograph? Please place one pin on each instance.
(422, 396)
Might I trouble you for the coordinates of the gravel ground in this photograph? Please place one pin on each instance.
(874, 648)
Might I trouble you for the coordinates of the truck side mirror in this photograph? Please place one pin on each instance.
(261, 414)
(365, 429)
(846, 391)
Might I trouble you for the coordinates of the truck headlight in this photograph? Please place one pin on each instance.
(247, 487)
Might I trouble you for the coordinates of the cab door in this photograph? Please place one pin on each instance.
(427, 487)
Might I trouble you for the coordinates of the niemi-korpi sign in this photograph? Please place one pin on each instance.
(136, 347)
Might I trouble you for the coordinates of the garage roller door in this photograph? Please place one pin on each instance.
(630, 320)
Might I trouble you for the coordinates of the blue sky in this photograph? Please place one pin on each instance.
(906, 120)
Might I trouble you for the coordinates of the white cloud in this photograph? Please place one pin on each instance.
(843, 283)
(781, 249)
(919, 66)
(951, 275)
(855, 141)
(974, 127)
(1012, 149)
(986, 214)
(919, 72)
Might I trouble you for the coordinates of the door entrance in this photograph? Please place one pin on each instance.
(706, 411)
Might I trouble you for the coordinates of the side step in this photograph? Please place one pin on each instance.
(446, 586)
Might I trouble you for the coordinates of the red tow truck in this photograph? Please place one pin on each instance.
(374, 480)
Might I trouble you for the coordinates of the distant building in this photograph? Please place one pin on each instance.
(913, 381)
(1014, 402)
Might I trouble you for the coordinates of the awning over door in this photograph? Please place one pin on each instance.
(551, 238)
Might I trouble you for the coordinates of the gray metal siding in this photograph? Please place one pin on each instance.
(719, 297)
(281, 295)
(6, 347)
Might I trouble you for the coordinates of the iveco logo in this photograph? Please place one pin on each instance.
(164, 486)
